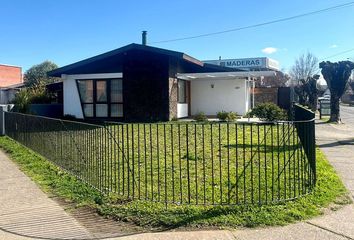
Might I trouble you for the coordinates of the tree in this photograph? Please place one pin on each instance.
(305, 67)
(37, 74)
(279, 80)
(312, 91)
(302, 73)
(299, 89)
(307, 91)
(351, 81)
(336, 75)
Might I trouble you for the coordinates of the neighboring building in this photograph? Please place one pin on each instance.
(143, 83)
(10, 75)
(7, 94)
(11, 82)
(248, 64)
(256, 64)
(271, 88)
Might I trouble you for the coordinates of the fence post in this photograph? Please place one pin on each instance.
(313, 144)
(307, 137)
(2, 122)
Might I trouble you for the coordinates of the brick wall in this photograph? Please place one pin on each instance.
(264, 95)
(173, 86)
(10, 75)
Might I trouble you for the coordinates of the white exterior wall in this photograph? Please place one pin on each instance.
(72, 104)
(226, 95)
(182, 110)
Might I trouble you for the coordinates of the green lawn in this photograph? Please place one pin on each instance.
(198, 164)
(154, 214)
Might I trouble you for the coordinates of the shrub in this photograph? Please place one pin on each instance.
(231, 116)
(21, 101)
(25, 97)
(222, 115)
(268, 112)
(226, 116)
(200, 117)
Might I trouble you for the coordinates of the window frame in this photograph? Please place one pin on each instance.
(185, 91)
(94, 97)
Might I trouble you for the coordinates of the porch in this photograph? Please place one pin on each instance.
(216, 91)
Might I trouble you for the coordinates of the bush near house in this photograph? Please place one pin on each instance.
(36, 94)
(226, 116)
(200, 117)
(268, 112)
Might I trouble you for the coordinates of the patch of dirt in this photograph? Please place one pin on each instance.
(102, 227)
(97, 225)
(339, 203)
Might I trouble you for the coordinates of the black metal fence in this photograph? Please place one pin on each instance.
(181, 163)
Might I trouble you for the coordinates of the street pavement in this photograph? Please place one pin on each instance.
(27, 213)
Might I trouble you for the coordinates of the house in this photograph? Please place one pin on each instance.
(268, 88)
(11, 81)
(10, 75)
(143, 83)
(7, 94)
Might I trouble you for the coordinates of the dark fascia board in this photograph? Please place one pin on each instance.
(192, 60)
(58, 72)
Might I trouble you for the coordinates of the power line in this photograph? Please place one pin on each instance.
(337, 54)
(258, 24)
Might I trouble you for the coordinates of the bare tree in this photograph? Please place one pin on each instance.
(302, 72)
(312, 91)
(279, 80)
(305, 67)
(336, 75)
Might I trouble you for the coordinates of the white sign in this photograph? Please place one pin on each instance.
(249, 63)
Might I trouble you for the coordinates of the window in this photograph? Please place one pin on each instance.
(116, 98)
(101, 92)
(102, 98)
(88, 110)
(182, 91)
(86, 91)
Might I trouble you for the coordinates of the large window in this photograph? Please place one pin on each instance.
(101, 98)
(182, 91)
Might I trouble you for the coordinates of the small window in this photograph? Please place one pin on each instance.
(101, 91)
(86, 90)
(182, 91)
(116, 90)
(88, 110)
(116, 110)
(101, 110)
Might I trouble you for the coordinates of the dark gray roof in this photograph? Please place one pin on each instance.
(118, 53)
(114, 59)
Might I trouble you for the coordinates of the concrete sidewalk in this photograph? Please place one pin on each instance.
(336, 141)
(27, 213)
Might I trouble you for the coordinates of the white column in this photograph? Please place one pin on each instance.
(253, 86)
